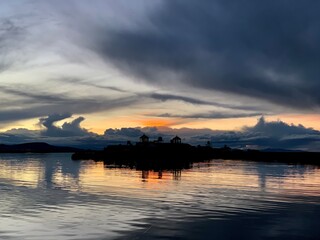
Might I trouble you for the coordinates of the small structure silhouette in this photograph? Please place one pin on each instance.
(176, 140)
(160, 140)
(144, 139)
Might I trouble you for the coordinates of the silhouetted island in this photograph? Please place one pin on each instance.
(173, 155)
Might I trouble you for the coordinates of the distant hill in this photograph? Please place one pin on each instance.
(279, 150)
(35, 147)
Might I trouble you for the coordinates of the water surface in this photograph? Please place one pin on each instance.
(48, 196)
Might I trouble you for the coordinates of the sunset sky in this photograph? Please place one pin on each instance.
(244, 73)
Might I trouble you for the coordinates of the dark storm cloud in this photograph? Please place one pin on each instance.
(279, 129)
(267, 50)
(274, 134)
(67, 129)
(20, 135)
(126, 132)
(68, 134)
(133, 134)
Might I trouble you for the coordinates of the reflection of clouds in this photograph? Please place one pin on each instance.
(86, 198)
(37, 169)
(278, 177)
(20, 172)
(51, 209)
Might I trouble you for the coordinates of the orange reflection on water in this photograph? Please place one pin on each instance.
(154, 177)
(22, 174)
(96, 177)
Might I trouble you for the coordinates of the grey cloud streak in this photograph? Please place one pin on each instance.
(33, 96)
(266, 50)
(37, 104)
(72, 105)
(29, 103)
(89, 84)
(165, 96)
(213, 115)
(168, 97)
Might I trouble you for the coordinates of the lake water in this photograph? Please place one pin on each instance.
(49, 196)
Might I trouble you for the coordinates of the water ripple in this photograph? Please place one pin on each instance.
(51, 197)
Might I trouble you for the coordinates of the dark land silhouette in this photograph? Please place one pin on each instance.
(35, 147)
(158, 155)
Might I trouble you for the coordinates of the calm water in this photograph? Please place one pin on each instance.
(48, 196)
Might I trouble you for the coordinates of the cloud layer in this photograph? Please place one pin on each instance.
(263, 135)
(68, 129)
(267, 51)
(178, 59)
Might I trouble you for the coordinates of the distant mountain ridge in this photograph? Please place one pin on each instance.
(35, 147)
(280, 150)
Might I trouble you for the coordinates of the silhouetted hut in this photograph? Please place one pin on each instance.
(160, 140)
(144, 138)
(176, 140)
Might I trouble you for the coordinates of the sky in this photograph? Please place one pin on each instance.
(90, 73)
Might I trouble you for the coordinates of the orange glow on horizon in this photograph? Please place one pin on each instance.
(157, 122)
(99, 123)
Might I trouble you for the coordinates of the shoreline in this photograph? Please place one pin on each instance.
(181, 155)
